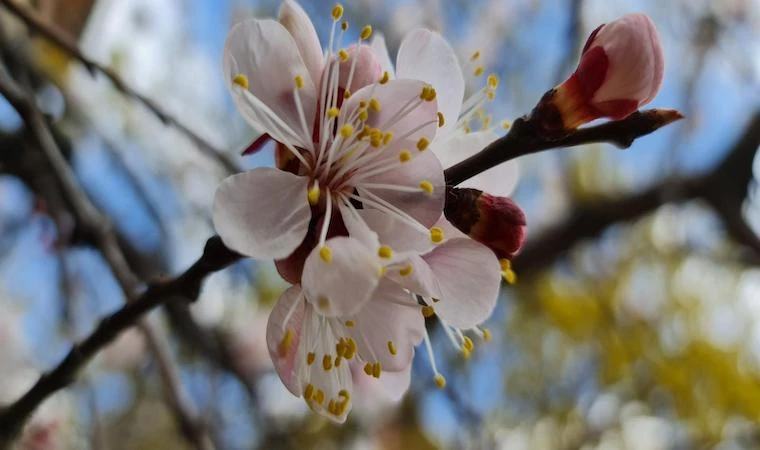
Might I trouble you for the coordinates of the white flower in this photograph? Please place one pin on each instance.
(425, 55)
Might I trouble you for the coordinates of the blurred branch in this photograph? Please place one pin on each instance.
(724, 188)
(56, 36)
(186, 286)
(522, 140)
(101, 232)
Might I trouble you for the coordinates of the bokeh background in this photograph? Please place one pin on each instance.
(635, 322)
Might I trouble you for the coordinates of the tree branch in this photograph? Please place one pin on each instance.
(186, 286)
(523, 140)
(37, 24)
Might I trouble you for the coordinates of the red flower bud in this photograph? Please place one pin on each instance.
(496, 222)
(621, 69)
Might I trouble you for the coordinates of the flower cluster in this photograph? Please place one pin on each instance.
(353, 212)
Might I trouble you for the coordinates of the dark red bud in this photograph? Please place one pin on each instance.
(496, 222)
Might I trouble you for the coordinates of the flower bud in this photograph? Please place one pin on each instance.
(496, 222)
(621, 69)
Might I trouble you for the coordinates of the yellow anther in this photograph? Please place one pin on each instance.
(350, 323)
(308, 392)
(313, 194)
(436, 300)
(362, 103)
(346, 130)
(426, 186)
(366, 32)
(423, 144)
(319, 397)
(347, 93)
(368, 369)
(475, 56)
(338, 360)
(351, 350)
(406, 270)
(506, 124)
(323, 303)
(387, 137)
(331, 407)
(385, 78)
(428, 311)
(333, 112)
(441, 119)
(431, 94)
(345, 394)
(490, 95)
(487, 122)
(385, 252)
(436, 235)
(343, 55)
(468, 343)
(404, 156)
(363, 115)
(337, 11)
(487, 335)
(440, 381)
(287, 339)
(241, 80)
(493, 81)
(509, 276)
(505, 264)
(326, 254)
(340, 347)
(374, 105)
(466, 353)
(344, 26)
(376, 369)
(299, 81)
(478, 71)
(467, 128)
(310, 357)
(382, 271)
(392, 348)
(327, 362)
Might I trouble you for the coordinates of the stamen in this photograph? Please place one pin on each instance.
(337, 11)
(344, 25)
(423, 144)
(347, 93)
(428, 311)
(490, 95)
(310, 357)
(350, 323)
(241, 80)
(406, 270)
(426, 186)
(343, 55)
(387, 137)
(506, 124)
(308, 392)
(366, 32)
(319, 397)
(333, 112)
(327, 362)
(326, 254)
(313, 194)
(441, 119)
(368, 369)
(376, 369)
(385, 252)
(467, 343)
(287, 339)
(299, 81)
(404, 156)
(439, 381)
(493, 81)
(346, 130)
(478, 71)
(374, 105)
(385, 78)
(475, 56)
(392, 348)
(487, 335)
(436, 235)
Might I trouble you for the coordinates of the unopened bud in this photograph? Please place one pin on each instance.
(621, 69)
(496, 222)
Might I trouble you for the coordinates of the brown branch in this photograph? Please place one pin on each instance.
(100, 231)
(186, 286)
(724, 188)
(522, 140)
(37, 25)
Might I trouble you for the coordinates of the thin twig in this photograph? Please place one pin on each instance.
(62, 40)
(94, 223)
(523, 140)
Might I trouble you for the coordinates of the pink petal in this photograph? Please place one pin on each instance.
(390, 316)
(297, 22)
(367, 69)
(469, 277)
(395, 384)
(381, 52)
(284, 356)
(266, 54)
(422, 280)
(262, 213)
(425, 55)
(399, 235)
(344, 284)
(500, 180)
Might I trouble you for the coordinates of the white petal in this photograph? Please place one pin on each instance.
(297, 22)
(262, 213)
(469, 277)
(357, 227)
(500, 180)
(400, 236)
(381, 52)
(390, 316)
(284, 356)
(422, 280)
(266, 54)
(344, 284)
(425, 55)
(396, 384)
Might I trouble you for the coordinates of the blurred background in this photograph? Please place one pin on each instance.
(635, 322)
